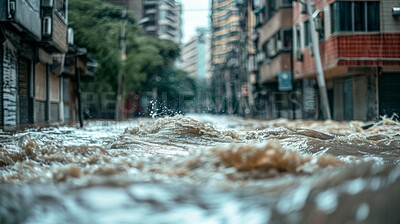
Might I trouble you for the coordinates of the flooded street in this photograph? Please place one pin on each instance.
(202, 169)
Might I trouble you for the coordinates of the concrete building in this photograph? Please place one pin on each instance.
(34, 41)
(159, 18)
(273, 33)
(189, 57)
(194, 55)
(162, 19)
(359, 42)
(136, 6)
(195, 61)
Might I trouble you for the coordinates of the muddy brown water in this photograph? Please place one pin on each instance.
(202, 169)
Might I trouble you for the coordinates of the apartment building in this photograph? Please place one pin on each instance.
(273, 69)
(359, 43)
(136, 6)
(159, 18)
(225, 45)
(34, 41)
(194, 55)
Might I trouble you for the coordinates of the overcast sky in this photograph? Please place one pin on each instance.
(195, 14)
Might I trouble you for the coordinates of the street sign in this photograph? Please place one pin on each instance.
(285, 81)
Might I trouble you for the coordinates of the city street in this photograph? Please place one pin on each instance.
(202, 169)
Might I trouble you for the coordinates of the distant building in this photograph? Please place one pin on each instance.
(136, 6)
(194, 55)
(159, 18)
(195, 61)
(359, 43)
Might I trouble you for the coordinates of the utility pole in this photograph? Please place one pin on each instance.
(118, 109)
(321, 79)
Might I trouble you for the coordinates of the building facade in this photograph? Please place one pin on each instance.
(195, 61)
(272, 39)
(159, 18)
(135, 6)
(359, 43)
(194, 55)
(225, 45)
(34, 41)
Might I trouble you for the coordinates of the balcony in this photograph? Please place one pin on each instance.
(24, 16)
(54, 33)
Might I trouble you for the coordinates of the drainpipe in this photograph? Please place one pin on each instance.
(292, 74)
(78, 81)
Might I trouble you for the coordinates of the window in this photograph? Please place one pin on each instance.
(220, 1)
(271, 7)
(163, 14)
(287, 3)
(307, 38)
(287, 38)
(359, 16)
(256, 3)
(298, 38)
(355, 16)
(320, 25)
(272, 47)
(373, 16)
(60, 7)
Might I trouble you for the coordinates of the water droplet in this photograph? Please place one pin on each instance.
(355, 186)
(327, 201)
(362, 212)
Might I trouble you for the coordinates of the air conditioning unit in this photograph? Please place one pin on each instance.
(47, 3)
(299, 56)
(260, 57)
(70, 40)
(47, 26)
(279, 45)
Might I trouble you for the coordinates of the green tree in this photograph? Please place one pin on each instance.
(149, 63)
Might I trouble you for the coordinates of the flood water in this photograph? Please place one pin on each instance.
(202, 169)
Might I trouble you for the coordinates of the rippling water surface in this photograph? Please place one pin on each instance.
(202, 169)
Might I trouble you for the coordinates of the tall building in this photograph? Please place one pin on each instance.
(273, 34)
(195, 61)
(159, 18)
(225, 46)
(136, 6)
(359, 43)
(194, 55)
(162, 19)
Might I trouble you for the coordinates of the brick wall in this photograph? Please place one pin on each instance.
(369, 46)
(352, 46)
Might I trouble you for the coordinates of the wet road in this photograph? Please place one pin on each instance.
(202, 169)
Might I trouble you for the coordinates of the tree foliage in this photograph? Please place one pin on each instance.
(149, 62)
